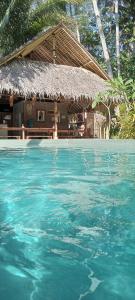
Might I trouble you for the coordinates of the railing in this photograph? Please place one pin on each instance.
(11, 132)
(71, 133)
(34, 133)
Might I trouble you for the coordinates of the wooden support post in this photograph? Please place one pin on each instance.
(100, 132)
(11, 100)
(107, 133)
(104, 133)
(23, 132)
(55, 133)
(94, 125)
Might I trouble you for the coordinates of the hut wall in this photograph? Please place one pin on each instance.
(99, 125)
(32, 111)
(95, 125)
(27, 113)
(18, 114)
(90, 124)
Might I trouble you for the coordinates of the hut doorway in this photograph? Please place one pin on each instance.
(6, 119)
(6, 115)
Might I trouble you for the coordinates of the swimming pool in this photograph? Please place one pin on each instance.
(67, 223)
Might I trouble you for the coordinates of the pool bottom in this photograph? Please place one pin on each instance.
(67, 223)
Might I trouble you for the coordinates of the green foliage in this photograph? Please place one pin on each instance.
(50, 13)
(126, 121)
(3, 7)
(25, 20)
(122, 89)
(127, 124)
(103, 98)
(119, 90)
(13, 34)
(127, 65)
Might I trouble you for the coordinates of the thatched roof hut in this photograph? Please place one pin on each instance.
(53, 64)
(26, 77)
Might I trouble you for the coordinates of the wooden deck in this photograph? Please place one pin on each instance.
(39, 133)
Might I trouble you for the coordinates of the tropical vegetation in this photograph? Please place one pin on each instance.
(121, 121)
(105, 27)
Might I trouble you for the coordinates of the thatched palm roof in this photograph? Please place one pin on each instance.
(68, 50)
(25, 76)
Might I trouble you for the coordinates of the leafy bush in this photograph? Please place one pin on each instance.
(127, 124)
(122, 91)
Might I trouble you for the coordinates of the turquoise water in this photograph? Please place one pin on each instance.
(67, 224)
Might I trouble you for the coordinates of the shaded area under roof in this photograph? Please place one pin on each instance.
(25, 76)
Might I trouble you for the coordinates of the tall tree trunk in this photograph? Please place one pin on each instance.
(77, 32)
(117, 35)
(133, 43)
(70, 8)
(6, 17)
(102, 38)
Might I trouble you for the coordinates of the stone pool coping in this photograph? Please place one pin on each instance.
(108, 145)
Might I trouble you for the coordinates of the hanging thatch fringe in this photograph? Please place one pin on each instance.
(33, 78)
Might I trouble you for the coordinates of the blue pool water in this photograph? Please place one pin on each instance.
(67, 224)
